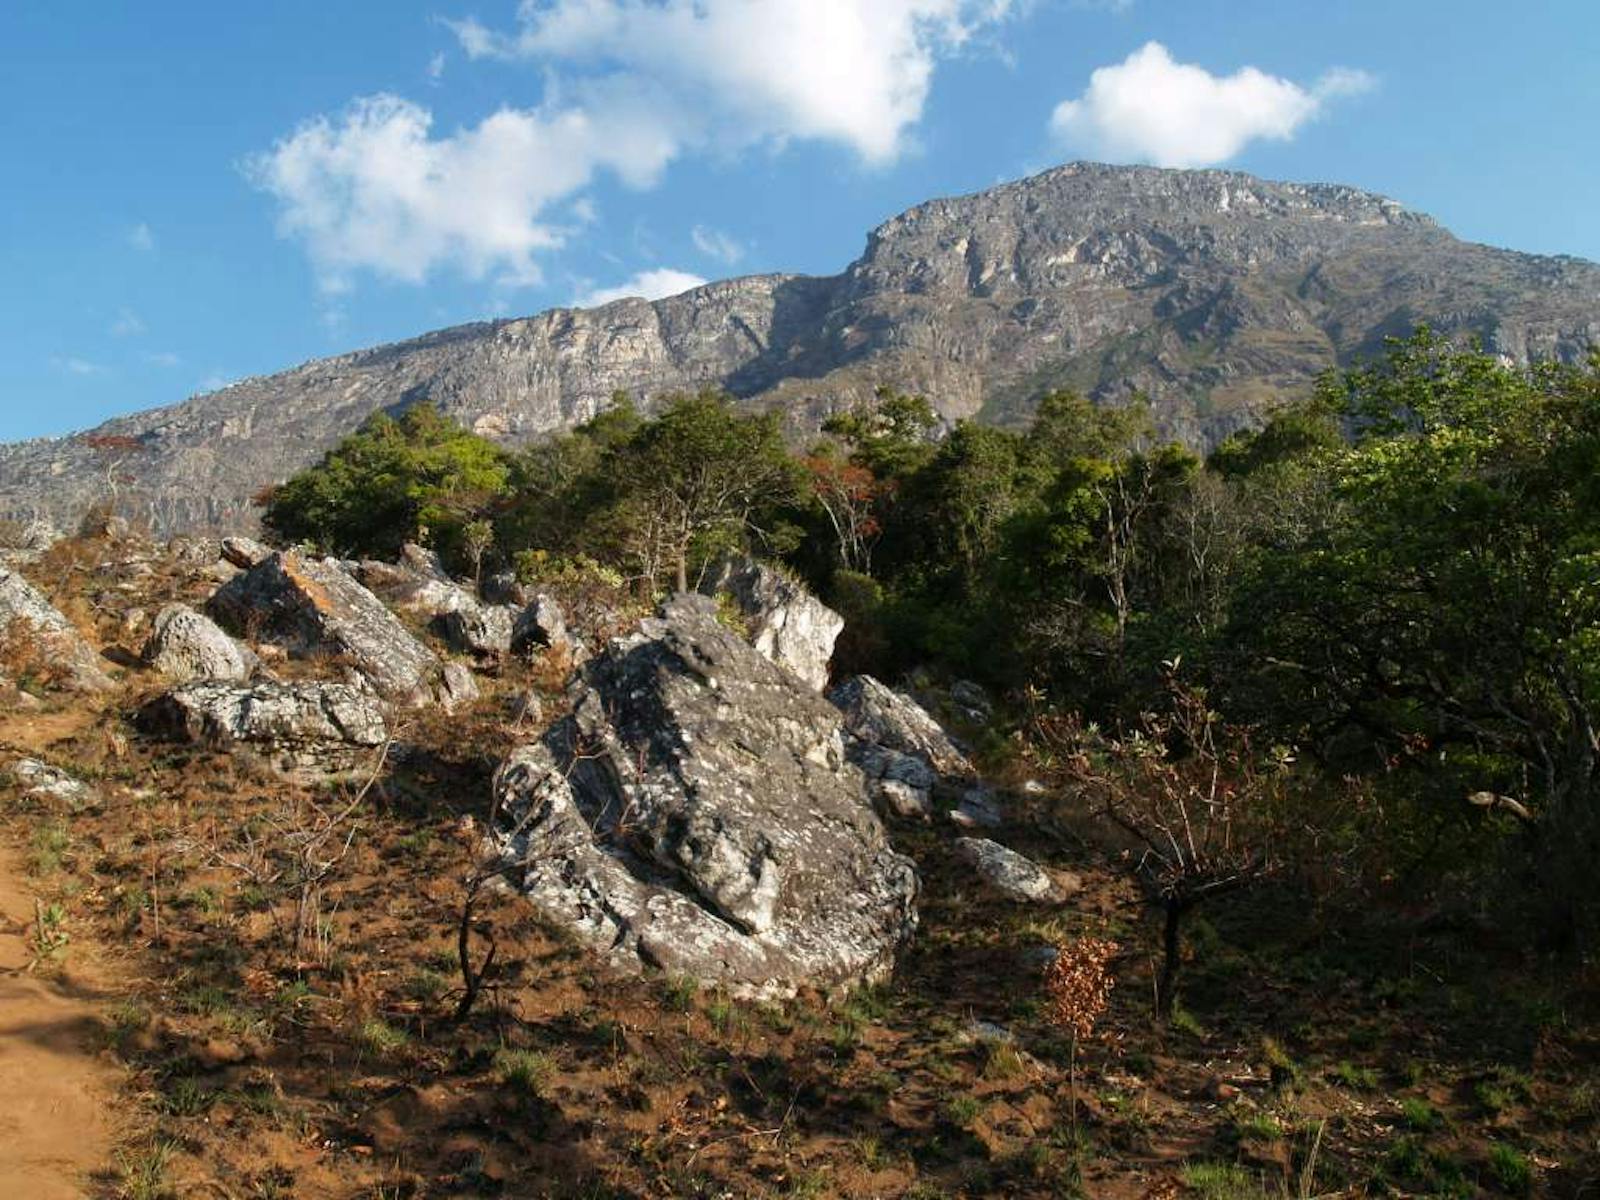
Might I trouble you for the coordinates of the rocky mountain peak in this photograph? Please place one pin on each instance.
(1215, 294)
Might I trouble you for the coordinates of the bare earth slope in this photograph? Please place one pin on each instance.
(1215, 293)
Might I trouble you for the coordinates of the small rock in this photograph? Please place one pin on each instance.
(40, 781)
(456, 686)
(979, 809)
(185, 645)
(243, 552)
(25, 612)
(971, 699)
(1008, 872)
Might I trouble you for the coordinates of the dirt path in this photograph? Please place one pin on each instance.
(56, 1090)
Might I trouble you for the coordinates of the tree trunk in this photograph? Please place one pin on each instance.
(1172, 957)
(683, 571)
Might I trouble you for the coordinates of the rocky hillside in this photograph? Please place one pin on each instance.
(1215, 293)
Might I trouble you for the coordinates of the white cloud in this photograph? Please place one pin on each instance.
(855, 72)
(713, 243)
(127, 324)
(141, 238)
(163, 358)
(375, 190)
(1150, 108)
(631, 85)
(77, 366)
(216, 381)
(646, 285)
(436, 67)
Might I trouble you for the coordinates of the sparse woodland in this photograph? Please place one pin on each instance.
(1310, 724)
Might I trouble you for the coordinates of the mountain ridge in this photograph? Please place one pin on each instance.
(1215, 293)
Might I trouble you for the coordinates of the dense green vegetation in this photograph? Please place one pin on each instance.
(1399, 578)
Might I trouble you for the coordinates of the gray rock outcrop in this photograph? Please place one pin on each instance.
(314, 608)
(299, 727)
(904, 752)
(25, 614)
(697, 814)
(185, 645)
(784, 621)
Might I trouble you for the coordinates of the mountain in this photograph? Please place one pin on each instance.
(1216, 294)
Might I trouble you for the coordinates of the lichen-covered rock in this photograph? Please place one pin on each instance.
(185, 645)
(542, 625)
(904, 752)
(404, 588)
(697, 814)
(785, 622)
(876, 713)
(1014, 875)
(26, 614)
(299, 726)
(41, 782)
(484, 630)
(315, 608)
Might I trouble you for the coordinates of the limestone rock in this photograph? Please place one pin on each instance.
(316, 608)
(185, 645)
(542, 625)
(881, 716)
(300, 726)
(711, 825)
(1014, 875)
(26, 614)
(904, 752)
(484, 630)
(785, 622)
(244, 552)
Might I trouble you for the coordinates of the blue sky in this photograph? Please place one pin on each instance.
(198, 192)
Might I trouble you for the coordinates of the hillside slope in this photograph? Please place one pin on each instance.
(1214, 293)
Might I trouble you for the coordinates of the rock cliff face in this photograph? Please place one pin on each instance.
(1214, 293)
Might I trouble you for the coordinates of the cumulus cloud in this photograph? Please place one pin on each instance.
(630, 86)
(1151, 108)
(856, 72)
(646, 285)
(377, 190)
(713, 243)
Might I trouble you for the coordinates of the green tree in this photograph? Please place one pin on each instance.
(1446, 603)
(418, 477)
(695, 481)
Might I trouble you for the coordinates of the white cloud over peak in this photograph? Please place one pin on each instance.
(1151, 108)
(630, 86)
(856, 72)
(376, 190)
(646, 285)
